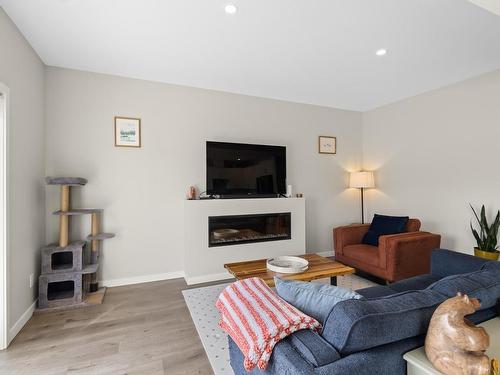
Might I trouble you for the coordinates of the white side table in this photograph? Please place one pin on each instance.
(418, 364)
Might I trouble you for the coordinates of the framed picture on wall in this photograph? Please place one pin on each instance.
(327, 145)
(127, 132)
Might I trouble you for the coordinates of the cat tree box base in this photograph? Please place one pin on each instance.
(91, 299)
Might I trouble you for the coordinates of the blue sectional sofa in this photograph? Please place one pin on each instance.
(370, 335)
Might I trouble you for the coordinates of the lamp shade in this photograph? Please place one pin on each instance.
(362, 179)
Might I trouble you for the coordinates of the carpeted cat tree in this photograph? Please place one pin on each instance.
(69, 269)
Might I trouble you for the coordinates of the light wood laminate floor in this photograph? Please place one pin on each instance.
(140, 329)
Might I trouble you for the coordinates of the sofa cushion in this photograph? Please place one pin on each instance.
(413, 283)
(356, 325)
(376, 291)
(383, 225)
(483, 285)
(491, 266)
(364, 253)
(314, 299)
(446, 262)
(483, 315)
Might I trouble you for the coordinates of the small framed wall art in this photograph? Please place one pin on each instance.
(327, 145)
(127, 132)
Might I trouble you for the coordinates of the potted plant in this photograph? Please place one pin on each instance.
(487, 237)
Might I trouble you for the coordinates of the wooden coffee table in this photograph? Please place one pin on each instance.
(319, 268)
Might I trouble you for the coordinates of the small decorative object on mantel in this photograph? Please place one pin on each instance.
(300, 195)
(192, 193)
(455, 345)
(127, 132)
(487, 237)
(327, 145)
(287, 264)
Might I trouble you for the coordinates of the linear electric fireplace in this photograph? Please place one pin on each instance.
(239, 229)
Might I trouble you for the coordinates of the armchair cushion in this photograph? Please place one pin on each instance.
(363, 253)
(383, 225)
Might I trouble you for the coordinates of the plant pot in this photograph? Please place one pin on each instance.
(490, 255)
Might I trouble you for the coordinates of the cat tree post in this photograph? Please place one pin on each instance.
(64, 219)
(94, 250)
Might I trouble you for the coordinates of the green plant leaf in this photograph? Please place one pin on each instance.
(484, 223)
(494, 232)
(476, 236)
(475, 214)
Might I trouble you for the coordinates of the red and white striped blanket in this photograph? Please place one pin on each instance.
(256, 318)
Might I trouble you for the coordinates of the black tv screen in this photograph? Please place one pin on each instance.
(245, 170)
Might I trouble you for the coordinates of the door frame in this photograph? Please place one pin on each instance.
(4, 214)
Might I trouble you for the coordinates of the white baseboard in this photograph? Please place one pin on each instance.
(207, 278)
(21, 322)
(177, 275)
(143, 279)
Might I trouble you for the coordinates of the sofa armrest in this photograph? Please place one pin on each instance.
(446, 263)
(348, 235)
(407, 254)
(355, 325)
(313, 348)
(298, 354)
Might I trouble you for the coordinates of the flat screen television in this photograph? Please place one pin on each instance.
(237, 170)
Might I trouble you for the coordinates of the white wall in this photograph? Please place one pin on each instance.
(435, 153)
(142, 190)
(23, 72)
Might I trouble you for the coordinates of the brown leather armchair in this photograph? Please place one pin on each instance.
(397, 257)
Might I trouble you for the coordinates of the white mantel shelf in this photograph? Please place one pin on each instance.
(203, 263)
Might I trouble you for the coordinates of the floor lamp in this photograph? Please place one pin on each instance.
(362, 180)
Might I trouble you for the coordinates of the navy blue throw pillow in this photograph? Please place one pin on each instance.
(383, 225)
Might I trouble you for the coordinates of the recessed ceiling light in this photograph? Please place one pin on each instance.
(381, 52)
(230, 9)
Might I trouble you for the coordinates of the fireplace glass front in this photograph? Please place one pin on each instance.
(239, 229)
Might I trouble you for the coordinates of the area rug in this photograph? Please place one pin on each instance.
(201, 305)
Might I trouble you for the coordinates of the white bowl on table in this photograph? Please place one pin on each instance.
(287, 264)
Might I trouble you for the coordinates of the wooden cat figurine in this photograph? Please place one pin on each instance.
(454, 345)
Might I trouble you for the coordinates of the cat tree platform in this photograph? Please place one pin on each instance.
(79, 211)
(100, 237)
(68, 181)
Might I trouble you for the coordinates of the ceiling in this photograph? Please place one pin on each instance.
(309, 51)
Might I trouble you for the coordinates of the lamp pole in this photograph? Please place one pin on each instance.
(362, 206)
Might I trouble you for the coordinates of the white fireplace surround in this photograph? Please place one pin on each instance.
(203, 263)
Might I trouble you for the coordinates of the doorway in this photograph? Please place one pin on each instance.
(4, 105)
